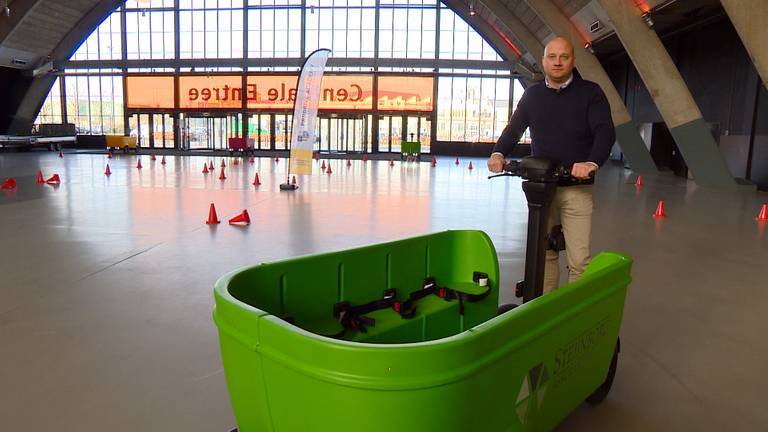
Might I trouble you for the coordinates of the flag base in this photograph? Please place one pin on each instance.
(288, 187)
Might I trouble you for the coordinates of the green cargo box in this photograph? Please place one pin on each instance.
(524, 370)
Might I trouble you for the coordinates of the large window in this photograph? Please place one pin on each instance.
(375, 37)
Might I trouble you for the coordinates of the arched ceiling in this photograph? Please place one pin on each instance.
(38, 30)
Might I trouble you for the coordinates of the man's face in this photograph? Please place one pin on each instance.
(558, 60)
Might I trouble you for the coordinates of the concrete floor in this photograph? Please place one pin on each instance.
(106, 289)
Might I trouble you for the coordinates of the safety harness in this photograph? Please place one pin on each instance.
(354, 317)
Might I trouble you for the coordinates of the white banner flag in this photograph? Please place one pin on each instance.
(305, 111)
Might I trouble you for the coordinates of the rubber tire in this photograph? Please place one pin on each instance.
(599, 395)
(506, 308)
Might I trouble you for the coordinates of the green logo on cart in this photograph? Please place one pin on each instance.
(531, 393)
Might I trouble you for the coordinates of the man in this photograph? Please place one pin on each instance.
(570, 120)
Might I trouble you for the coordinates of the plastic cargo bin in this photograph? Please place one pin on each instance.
(289, 367)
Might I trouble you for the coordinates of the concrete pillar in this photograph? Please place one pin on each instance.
(590, 68)
(670, 94)
(750, 17)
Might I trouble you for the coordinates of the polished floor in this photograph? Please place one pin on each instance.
(106, 283)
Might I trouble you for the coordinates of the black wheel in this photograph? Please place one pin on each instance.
(506, 308)
(601, 392)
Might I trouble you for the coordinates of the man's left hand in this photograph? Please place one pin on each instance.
(583, 170)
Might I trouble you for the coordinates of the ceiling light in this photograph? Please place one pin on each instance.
(472, 9)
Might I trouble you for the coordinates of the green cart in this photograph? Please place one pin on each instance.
(410, 149)
(408, 336)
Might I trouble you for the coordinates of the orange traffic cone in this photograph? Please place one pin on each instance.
(235, 162)
(138, 164)
(9, 183)
(470, 165)
(349, 163)
(457, 161)
(365, 158)
(322, 167)
(223, 164)
(107, 172)
(205, 169)
(434, 161)
(293, 180)
(660, 213)
(222, 176)
(639, 181)
(241, 218)
(213, 219)
(391, 162)
(54, 179)
(162, 160)
(152, 157)
(40, 179)
(61, 155)
(256, 180)
(328, 171)
(109, 154)
(763, 216)
(210, 166)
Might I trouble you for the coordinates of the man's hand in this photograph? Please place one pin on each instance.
(496, 163)
(583, 170)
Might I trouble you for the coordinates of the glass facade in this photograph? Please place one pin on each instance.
(178, 38)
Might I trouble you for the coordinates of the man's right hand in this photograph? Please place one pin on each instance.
(496, 163)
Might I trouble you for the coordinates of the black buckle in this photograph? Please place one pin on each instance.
(519, 288)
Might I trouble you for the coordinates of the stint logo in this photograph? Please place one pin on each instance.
(531, 394)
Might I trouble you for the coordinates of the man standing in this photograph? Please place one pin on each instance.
(570, 120)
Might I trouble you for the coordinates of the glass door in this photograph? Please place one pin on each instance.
(162, 135)
(140, 128)
(390, 133)
(419, 128)
(259, 129)
(283, 125)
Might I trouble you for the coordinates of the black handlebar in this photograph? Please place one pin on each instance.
(539, 170)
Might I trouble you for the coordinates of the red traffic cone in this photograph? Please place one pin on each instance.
(391, 162)
(235, 162)
(107, 172)
(61, 155)
(152, 157)
(138, 164)
(349, 163)
(434, 161)
(241, 218)
(293, 180)
(162, 160)
(223, 164)
(210, 166)
(205, 169)
(54, 179)
(328, 171)
(222, 176)
(470, 165)
(277, 158)
(256, 180)
(322, 167)
(251, 160)
(365, 158)
(40, 179)
(213, 219)
(660, 213)
(109, 154)
(9, 183)
(763, 216)
(639, 181)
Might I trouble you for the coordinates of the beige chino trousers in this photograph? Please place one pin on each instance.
(571, 208)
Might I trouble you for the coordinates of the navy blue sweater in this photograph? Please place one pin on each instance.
(572, 124)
